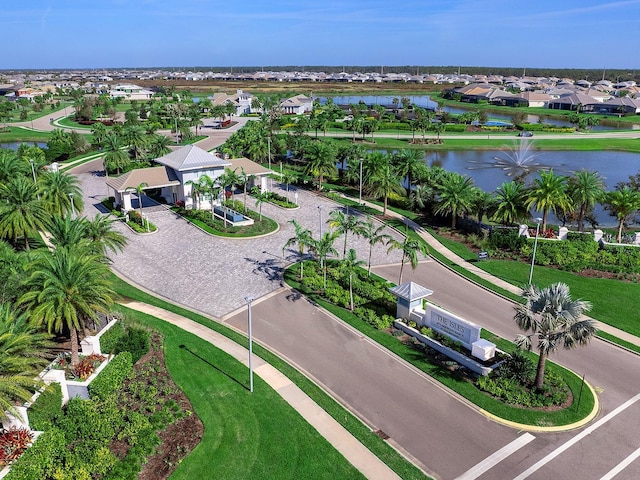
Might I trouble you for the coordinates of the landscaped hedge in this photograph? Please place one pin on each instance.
(125, 338)
(581, 252)
(47, 408)
(455, 127)
(112, 377)
(507, 239)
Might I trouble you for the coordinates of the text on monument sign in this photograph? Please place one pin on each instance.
(452, 326)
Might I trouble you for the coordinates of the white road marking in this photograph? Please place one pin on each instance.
(536, 466)
(492, 460)
(622, 465)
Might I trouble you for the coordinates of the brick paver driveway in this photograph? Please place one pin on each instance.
(213, 274)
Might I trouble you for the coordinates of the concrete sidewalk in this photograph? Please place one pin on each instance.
(449, 255)
(356, 453)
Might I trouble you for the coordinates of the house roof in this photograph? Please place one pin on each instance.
(250, 167)
(410, 291)
(191, 157)
(154, 177)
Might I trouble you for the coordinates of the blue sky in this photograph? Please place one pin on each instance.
(183, 33)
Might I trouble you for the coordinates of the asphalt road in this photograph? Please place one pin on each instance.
(443, 433)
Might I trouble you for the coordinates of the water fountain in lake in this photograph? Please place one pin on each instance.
(516, 162)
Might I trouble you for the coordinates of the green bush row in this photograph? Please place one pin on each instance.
(576, 255)
(47, 408)
(125, 338)
(112, 377)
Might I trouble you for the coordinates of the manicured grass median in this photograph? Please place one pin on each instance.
(245, 435)
(373, 442)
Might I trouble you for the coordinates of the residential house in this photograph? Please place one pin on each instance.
(296, 105)
(130, 92)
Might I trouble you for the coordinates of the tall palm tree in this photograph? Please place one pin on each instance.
(381, 179)
(24, 352)
(57, 189)
(21, 213)
(350, 264)
(159, 146)
(321, 157)
(373, 234)
(622, 203)
(67, 287)
(343, 225)
(510, 203)
(549, 194)
(136, 139)
(198, 188)
(323, 247)
(555, 320)
(410, 249)
(139, 192)
(586, 188)
(456, 196)
(302, 237)
(260, 197)
(407, 163)
(11, 165)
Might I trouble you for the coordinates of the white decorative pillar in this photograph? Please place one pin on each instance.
(523, 231)
(597, 235)
(58, 376)
(562, 233)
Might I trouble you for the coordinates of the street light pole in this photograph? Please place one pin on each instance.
(73, 208)
(249, 299)
(360, 196)
(320, 212)
(269, 150)
(535, 246)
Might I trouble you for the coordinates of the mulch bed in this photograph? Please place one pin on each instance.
(179, 438)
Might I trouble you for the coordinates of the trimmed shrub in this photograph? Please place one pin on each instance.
(506, 239)
(47, 409)
(112, 377)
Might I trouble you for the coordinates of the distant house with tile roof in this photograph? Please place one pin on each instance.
(241, 100)
(130, 92)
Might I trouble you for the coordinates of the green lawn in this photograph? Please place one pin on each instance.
(17, 134)
(245, 435)
(364, 434)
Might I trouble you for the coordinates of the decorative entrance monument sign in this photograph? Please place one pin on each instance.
(451, 325)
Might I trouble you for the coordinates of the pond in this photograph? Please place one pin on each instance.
(490, 168)
(15, 145)
(425, 101)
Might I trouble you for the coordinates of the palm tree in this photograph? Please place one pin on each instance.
(198, 188)
(373, 234)
(511, 203)
(139, 191)
(622, 203)
(57, 189)
(554, 319)
(549, 193)
(381, 180)
(323, 247)
(350, 265)
(302, 237)
(24, 352)
(244, 178)
(159, 146)
(260, 197)
(410, 249)
(322, 161)
(343, 225)
(456, 195)
(407, 163)
(101, 235)
(21, 213)
(586, 188)
(11, 165)
(115, 157)
(136, 140)
(98, 130)
(67, 287)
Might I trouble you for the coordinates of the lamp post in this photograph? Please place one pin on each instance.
(33, 171)
(360, 196)
(249, 299)
(269, 150)
(73, 208)
(320, 212)
(535, 246)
